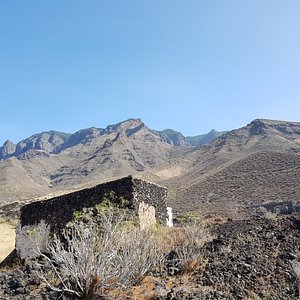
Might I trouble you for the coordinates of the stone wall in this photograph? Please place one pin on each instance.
(147, 199)
(58, 211)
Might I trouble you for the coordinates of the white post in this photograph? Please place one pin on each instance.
(170, 217)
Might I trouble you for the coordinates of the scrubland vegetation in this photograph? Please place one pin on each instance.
(105, 253)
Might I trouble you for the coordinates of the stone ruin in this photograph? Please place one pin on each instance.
(148, 201)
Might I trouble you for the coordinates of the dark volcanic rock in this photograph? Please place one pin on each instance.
(252, 258)
(247, 259)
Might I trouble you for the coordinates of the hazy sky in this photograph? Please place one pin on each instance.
(189, 65)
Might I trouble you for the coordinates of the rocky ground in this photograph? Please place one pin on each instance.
(253, 259)
(247, 259)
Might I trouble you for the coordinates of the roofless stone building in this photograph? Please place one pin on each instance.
(147, 199)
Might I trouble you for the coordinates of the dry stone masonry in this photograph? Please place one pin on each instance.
(148, 200)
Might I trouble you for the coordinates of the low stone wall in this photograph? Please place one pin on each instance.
(58, 211)
(147, 199)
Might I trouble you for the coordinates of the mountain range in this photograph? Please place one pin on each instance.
(225, 173)
(54, 142)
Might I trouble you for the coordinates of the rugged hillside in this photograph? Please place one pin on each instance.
(256, 164)
(243, 185)
(125, 149)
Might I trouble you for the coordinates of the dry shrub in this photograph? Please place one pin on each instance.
(215, 220)
(146, 290)
(181, 246)
(88, 259)
(140, 253)
(176, 237)
(81, 259)
(167, 238)
(189, 266)
(186, 243)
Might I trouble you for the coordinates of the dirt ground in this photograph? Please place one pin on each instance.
(7, 239)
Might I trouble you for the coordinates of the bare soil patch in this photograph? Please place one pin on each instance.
(7, 239)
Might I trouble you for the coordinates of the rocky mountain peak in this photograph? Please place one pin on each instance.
(8, 142)
(7, 149)
(83, 136)
(257, 126)
(88, 135)
(204, 138)
(260, 126)
(46, 141)
(125, 126)
(261, 134)
(171, 137)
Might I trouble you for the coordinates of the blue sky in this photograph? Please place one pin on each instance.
(187, 65)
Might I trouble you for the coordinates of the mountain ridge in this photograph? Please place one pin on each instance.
(56, 141)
